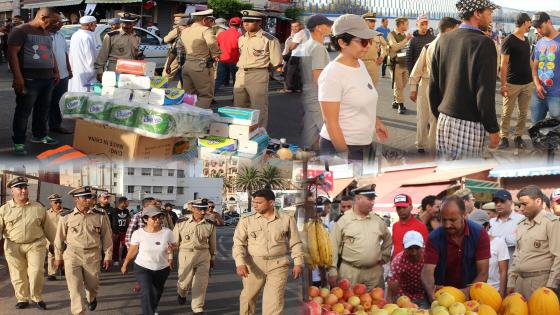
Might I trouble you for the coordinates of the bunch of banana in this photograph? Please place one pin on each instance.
(319, 245)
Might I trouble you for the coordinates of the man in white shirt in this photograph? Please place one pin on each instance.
(83, 55)
(505, 224)
(60, 50)
(293, 74)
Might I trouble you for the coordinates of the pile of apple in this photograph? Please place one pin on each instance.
(356, 300)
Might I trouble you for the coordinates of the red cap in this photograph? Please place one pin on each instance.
(403, 200)
(235, 21)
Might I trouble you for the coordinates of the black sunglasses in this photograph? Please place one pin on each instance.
(362, 41)
(57, 202)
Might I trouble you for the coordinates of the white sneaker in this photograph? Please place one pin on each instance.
(116, 263)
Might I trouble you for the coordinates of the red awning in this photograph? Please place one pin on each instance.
(417, 193)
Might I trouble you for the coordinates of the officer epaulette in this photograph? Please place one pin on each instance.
(268, 36)
(113, 33)
(550, 216)
(95, 210)
(66, 212)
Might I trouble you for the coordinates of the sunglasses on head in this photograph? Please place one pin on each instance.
(362, 41)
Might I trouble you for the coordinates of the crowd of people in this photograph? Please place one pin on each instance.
(512, 245)
(97, 234)
(452, 80)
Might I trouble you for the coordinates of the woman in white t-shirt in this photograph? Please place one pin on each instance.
(154, 245)
(347, 95)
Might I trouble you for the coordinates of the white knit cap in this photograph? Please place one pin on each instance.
(87, 19)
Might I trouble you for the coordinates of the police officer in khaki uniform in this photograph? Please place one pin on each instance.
(53, 216)
(398, 39)
(196, 239)
(261, 243)
(171, 39)
(361, 243)
(202, 51)
(123, 43)
(377, 50)
(80, 236)
(536, 259)
(22, 225)
(259, 51)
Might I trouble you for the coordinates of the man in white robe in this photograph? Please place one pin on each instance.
(82, 55)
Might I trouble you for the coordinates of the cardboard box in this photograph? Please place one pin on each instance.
(238, 116)
(241, 132)
(255, 145)
(219, 130)
(117, 144)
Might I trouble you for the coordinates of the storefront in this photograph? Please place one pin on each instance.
(6, 8)
(69, 8)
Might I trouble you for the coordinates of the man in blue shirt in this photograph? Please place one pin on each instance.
(384, 29)
(546, 65)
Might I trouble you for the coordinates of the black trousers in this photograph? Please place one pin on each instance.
(151, 284)
(35, 99)
(293, 75)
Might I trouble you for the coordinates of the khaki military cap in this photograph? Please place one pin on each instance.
(18, 182)
(55, 197)
(205, 13)
(463, 192)
(369, 16)
(252, 15)
(81, 191)
(128, 18)
(368, 190)
(491, 206)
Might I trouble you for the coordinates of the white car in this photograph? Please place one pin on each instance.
(155, 50)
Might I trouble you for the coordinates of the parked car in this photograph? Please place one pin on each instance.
(155, 50)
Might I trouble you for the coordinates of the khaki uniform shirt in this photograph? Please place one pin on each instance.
(52, 222)
(189, 234)
(394, 45)
(83, 231)
(377, 49)
(172, 35)
(200, 42)
(256, 236)
(260, 50)
(364, 242)
(116, 45)
(23, 224)
(537, 248)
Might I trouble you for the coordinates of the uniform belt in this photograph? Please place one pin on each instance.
(83, 249)
(356, 266)
(270, 257)
(194, 249)
(533, 274)
(187, 57)
(254, 69)
(22, 243)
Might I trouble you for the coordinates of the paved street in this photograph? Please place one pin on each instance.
(285, 122)
(116, 296)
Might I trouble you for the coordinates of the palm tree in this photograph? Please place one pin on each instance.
(249, 180)
(271, 177)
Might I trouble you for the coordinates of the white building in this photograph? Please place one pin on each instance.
(172, 182)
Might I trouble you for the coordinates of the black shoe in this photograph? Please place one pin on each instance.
(41, 305)
(194, 313)
(22, 305)
(421, 151)
(62, 130)
(181, 300)
(93, 305)
(504, 144)
(51, 278)
(519, 143)
(401, 109)
(395, 105)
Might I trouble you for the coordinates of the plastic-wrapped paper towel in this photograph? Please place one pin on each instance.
(124, 115)
(116, 93)
(166, 96)
(141, 96)
(109, 78)
(98, 108)
(134, 82)
(73, 104)
(159, 82)
(138, 67)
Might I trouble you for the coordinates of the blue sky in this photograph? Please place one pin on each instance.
(539, 5)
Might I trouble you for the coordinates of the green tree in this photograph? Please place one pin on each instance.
(249, 180)
(270, 176)
(293, 13)
(228, 8)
